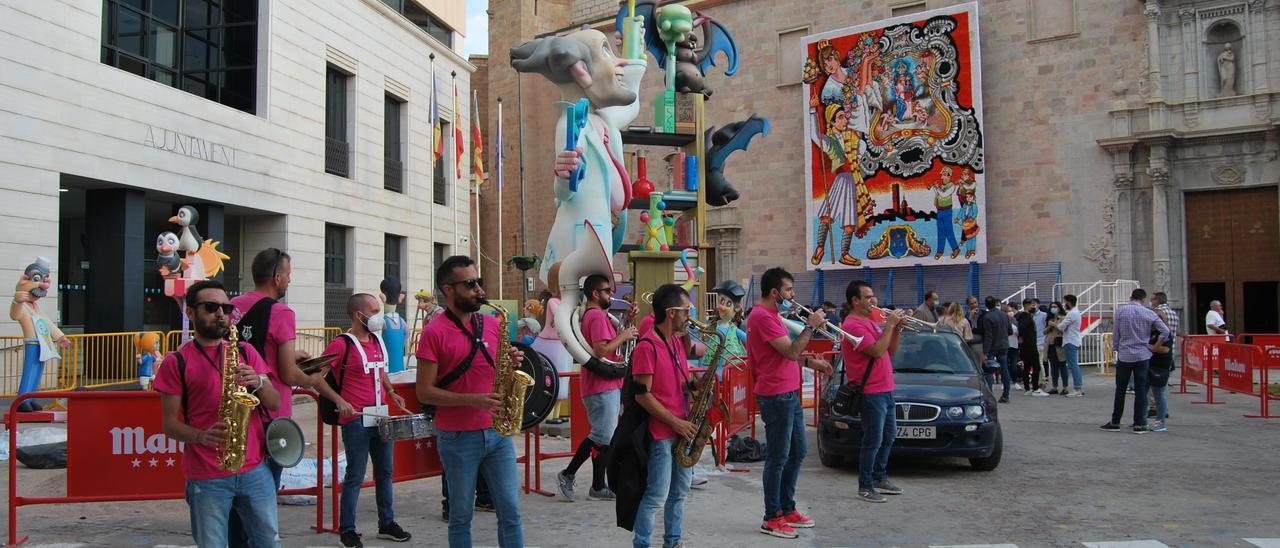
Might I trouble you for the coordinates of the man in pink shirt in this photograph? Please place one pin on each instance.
(879, 425)
(773, 357)
(363, 387)
(270, 327)
(660, 373)
(601, 395)
(456, 365)
(190, 387)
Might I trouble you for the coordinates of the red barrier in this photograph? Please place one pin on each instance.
(1199, 363)
(117, 452)
(1270, 345)
(1236, 366)
(735, 394)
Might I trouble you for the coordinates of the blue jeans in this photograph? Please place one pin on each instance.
(1001, 357)
(1137, 370)
(1158, 380)
(236, 535)
(1073, 364)
(667, 488)
(252, 497)
(784, 450)
(467, 454)
(879, 429)
(361, 443)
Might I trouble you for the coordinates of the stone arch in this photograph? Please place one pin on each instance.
(1225, 78)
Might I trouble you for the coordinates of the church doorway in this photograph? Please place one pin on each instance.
(1233, 255)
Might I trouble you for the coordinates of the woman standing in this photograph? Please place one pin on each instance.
(1053, 342)
(953, 319)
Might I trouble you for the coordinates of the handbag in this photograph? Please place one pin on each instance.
(848, 398)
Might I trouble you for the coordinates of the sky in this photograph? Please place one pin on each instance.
(477, 40)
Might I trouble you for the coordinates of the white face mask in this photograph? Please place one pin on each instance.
(376, 323)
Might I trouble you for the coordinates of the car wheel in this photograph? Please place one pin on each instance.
(829, 459)
(987, 464)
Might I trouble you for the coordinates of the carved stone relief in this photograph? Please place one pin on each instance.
(1228, 175)
(1101, 250)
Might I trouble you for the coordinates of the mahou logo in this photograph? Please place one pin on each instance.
(133, 440)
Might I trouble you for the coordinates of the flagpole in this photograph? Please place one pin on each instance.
(524, 250)
(457, 179)
(431, 165)
(498, 161)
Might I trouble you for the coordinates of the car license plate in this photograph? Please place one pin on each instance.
(917, 432)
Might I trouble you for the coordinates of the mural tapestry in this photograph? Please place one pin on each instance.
(894, 149)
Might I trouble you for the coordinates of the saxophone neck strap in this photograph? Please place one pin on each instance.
(476, 335)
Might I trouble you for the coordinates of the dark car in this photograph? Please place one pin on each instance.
(944, 407)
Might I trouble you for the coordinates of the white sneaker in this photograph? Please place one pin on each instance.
(1040, 393)
(1027, 393)
(1076, 393)
(697, 481)
(1017, 386)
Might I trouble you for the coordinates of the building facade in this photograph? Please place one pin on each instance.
(304, 125)
(1112, 148)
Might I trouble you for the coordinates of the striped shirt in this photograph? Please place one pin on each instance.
(1172, 316)
(1133, 332)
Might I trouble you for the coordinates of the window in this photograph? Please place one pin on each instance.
(392, 251)
(337, 151)
(439, 181)
(423, 19)
(440, 252)
(1050, 19)
(204, 47)
(789, 50)
(393, 162)
(335, 255)
(907, 8)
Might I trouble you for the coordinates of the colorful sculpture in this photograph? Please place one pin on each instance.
(691, 274)
(185, 259)
(148, 357)
(40, 337)
(720, 144)
(583, 236)
(395, 330)
(668, 33)
(655, 231)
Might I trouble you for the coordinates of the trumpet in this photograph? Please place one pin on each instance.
(829, 329)
(911, 322)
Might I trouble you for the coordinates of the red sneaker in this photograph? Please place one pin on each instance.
(798, 520)
(778, 527)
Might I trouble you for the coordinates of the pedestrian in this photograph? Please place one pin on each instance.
(1131, 340)
(1015, 349)
(190, 387)
(1041, 317)
(870, 363)
(1029, 348)
(773, 357)
(926, 310)
(602, 396)
(456, 367)
(974, 315)
(1213, 322)
(996, 329)
(953, 319)
(1158, 376)
(363, 393)
(1071, 342)
(1053, 346)
(1169, 316)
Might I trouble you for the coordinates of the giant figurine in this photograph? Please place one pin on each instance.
(591, 181)
(40, 337)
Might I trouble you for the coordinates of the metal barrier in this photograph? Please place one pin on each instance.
(102, 360)
(1095, 349)
(314, 339)
(98, 442)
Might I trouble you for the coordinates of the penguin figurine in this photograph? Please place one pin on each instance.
(167, 247)
(186, 218)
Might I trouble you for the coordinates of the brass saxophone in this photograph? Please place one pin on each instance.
(701, 399)
(234, 408)
(509, 382)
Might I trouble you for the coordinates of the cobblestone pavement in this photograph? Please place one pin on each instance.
(1210, 480)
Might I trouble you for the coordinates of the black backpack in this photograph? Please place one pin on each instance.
(327, 409)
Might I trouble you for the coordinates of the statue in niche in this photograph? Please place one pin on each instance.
(1227, 72)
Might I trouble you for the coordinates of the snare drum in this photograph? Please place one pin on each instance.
(405, 427)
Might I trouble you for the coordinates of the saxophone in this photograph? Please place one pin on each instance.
(701, 399)
(234, 408)
(509, 382)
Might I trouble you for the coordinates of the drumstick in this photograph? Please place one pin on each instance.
(376, 415)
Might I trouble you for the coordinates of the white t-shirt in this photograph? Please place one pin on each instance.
(1213, 318)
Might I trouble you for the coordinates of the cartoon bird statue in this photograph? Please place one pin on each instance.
(167, 260)
(187, 217)
(691, 62)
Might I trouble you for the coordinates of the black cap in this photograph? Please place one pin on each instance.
(731, 289)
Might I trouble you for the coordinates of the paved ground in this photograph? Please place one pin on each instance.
(1212, 480)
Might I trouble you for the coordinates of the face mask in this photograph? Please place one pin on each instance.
(375, 323)
(1053, 309)
(784, 307)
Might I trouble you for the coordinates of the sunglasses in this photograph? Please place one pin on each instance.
(211, 307)
(679, 309)
(471, 283)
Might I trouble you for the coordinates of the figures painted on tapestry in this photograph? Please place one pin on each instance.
(895, 151)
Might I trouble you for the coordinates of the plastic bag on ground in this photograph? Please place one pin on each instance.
(303, 476)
